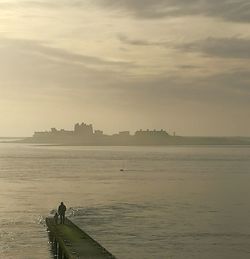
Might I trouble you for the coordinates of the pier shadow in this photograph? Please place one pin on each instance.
(55, 250)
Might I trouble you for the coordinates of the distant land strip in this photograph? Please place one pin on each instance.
(84, 135)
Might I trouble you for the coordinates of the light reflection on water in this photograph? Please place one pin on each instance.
(170, 202)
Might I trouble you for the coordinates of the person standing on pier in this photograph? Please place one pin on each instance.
(61, 212)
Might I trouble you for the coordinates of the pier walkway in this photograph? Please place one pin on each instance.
(70, 242)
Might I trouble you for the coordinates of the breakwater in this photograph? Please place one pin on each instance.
(68, 241)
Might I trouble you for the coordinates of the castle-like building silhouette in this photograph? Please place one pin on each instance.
(85, 134)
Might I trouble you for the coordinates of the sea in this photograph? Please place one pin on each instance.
(176, 202)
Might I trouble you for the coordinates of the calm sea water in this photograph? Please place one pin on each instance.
(170, 202)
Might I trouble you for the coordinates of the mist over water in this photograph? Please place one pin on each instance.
(169, 202)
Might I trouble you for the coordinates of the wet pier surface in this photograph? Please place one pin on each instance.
(70, 242)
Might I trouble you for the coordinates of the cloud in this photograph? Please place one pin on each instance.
(236, 48)
(141, 42)
(60, 55)
(230, 10)
(135, 42)
(55, 82)
(236, 82)
(237, 11)
(34, 63)
(28, 4)
(32, 67)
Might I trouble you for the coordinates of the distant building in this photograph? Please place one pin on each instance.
(53, 130)
(98, 133)
(84, 134)
(124, 134)
(83, 129)
(151, 133)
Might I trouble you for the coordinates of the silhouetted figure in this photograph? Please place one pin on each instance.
(61, 212)
(56, 218)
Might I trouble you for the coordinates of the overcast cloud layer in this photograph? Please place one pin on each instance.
(125, 65)
(231, 10)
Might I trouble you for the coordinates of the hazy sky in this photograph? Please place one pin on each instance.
(181, 65)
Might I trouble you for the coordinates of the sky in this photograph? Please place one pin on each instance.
(178, 65)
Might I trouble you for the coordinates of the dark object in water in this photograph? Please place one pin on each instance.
(122, 170)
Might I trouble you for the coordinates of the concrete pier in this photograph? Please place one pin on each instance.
(68, 241)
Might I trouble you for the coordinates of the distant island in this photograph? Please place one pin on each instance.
(83, 134)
